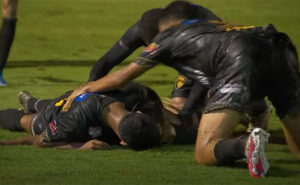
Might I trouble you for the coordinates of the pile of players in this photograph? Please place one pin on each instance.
(225, 73)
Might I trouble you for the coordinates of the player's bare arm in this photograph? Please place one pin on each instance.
(113, 80)
(37, 142)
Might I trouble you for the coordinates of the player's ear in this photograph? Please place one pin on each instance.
(123, 143)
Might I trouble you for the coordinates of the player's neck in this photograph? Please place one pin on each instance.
(113, 114)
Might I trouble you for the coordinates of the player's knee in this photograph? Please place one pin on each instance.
(198, 158)
(203, 155)
(201, 158)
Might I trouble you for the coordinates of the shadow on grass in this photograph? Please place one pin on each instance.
(30, 63)
(282, 172)
(56, 80)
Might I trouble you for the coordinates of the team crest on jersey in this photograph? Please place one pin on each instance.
(53, 127)
(180, 81)
(152, 48)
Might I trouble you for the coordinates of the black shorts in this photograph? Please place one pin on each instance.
(283, 79)
(40, 120)
(254, 67)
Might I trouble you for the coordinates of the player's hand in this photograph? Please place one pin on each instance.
(95, 145)
(75, 93)
(172, 106)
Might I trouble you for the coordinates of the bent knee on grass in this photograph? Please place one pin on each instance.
(214, 127)
(204, 152)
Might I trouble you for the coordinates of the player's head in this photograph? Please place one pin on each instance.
(139, 131)
(176, 12)
(148, 24)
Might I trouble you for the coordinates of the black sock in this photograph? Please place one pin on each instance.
(227, 151)
(7, 35)
(36, 105)
(10, 119)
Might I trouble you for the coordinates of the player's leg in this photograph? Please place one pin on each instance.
(258, 115)
(224, 110)
(15, 120)
(31, 104)
(215, 127)
(291, 129)
(7, 33)
(213, 145)
(284, 88)
(25, 122)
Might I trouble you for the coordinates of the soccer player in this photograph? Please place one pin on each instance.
(131, 115)
(7, 33)
(239, 65)
(142, 33)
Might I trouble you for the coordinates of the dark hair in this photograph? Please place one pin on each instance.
(149, 24)
(177, 10)
(139, 131)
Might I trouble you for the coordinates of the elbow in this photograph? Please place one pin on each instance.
(204, 156)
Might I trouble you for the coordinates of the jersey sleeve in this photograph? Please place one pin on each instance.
(154, 53)
(129, 42)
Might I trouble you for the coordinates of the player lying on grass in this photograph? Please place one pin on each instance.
(172, 129)
(238, 65)
(130, 116)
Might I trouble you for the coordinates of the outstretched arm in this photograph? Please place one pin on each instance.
(111, 81)
(38, 142)
(89, 145)
(28, 140)
(129, 42)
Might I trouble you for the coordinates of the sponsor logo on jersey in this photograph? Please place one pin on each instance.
(84, 96)
(152, 48)
(53, 127)
(180, 81)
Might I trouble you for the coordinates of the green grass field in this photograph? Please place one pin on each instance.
(56, 43)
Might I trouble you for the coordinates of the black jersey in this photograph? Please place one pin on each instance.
(139, 34)
(194, 48)
(239, 64)
(84, 120)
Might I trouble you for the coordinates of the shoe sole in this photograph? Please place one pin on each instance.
(257, 161)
